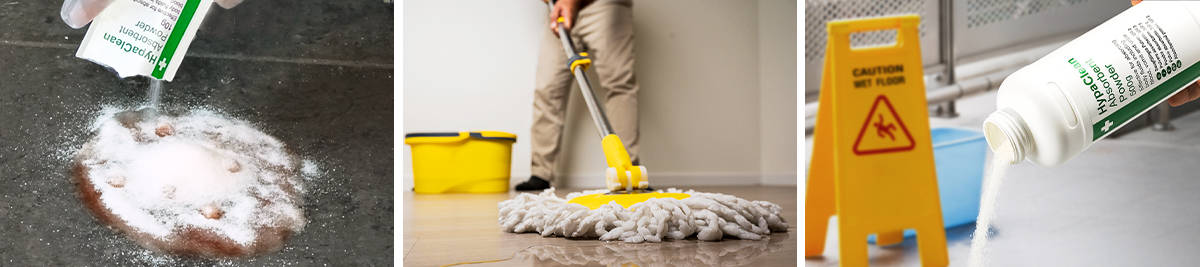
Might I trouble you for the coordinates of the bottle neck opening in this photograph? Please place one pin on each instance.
(1007, 135)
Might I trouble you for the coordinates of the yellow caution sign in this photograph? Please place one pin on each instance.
(872, 160)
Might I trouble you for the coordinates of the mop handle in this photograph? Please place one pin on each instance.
(627, 176)
(577, 63)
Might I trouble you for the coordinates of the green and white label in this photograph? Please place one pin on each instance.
(143, 37)
(1128, 65)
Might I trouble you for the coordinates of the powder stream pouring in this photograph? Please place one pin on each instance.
(143, 38)
(135, 38)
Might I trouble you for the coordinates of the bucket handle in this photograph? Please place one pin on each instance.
(444, 139)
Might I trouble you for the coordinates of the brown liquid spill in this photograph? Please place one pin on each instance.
(193, 242)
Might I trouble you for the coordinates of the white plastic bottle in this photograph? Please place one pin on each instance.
(148, 38)
(1050, 111)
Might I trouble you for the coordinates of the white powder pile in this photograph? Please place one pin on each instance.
(163, 174)
(707, 216)
(1001, 160)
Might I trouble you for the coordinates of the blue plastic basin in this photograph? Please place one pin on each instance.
(959, 156)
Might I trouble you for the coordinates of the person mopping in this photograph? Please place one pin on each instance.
(627, 209)
(604, 28)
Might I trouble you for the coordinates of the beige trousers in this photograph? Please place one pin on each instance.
(605, 30)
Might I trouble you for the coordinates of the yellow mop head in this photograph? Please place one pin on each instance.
(595, 201)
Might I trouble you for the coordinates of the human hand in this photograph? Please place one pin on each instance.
(1192, 92)
(566, 9)
(77, 13)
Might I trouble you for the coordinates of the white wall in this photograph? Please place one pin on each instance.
(778, 87)
(717, 104)
(469, 66)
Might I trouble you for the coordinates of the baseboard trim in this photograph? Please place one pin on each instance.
(672, 179)
(779, 179)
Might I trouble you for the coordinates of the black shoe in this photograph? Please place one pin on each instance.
(534, 183)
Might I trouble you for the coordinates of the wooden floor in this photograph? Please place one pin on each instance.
(458, 228)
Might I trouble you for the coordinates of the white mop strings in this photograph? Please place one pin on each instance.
(708, 216)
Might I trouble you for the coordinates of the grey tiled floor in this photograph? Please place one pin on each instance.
(316, 74)
(1126, 201)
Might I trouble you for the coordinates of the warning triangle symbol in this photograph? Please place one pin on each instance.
(883, 131)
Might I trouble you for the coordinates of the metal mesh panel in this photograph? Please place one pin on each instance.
(984, 12)
(873, 38)
(818, 12)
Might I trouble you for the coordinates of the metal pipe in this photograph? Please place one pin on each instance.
(1005, 62)
(984, 69)
(946, 28)
(968, 87)
(946, 46)
(937, 96)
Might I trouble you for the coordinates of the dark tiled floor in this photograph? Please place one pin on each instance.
(316, 74)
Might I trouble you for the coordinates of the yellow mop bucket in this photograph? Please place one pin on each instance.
(462, 162)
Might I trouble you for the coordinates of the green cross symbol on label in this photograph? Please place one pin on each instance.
(162, 62)
(1107, 125)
